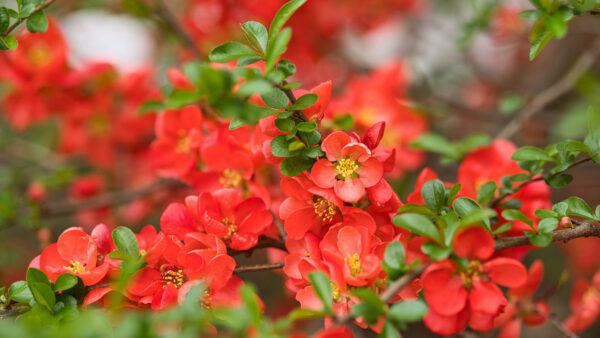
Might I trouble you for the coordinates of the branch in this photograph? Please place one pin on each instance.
(552, 319)
(499, 199)
(263, 243)
(113, 198)
(299, 114)
(20, 21)
(165, 14)
(258, 267)
(13, 310)
(563, 85)
(582, 230)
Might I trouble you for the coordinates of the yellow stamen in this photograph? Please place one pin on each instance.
(231, 228)
(336, 292)
(324, 209)
(354, 264)
(75, 267)
(475, 270)
(346, 168)
(231, 179)
(173, 277)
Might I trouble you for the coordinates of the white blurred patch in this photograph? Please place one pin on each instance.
(99, 36)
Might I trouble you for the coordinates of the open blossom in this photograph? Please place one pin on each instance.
(75, 252)
(179, 137)
(458, 295)
(584, 303)
(349, 168)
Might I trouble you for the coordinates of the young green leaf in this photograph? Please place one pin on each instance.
(486, 192)
(408, 311)
(417, 224)
(434, 194)
(540, 36)
(8, 43)
(125, 241)
(230, 51)
(37, 22)
(275, 98)
(19, 292)
(516, 215)
(578, 207)
(43, 294)
(65, 282)
(394, 255)
(307, 127)
(4, 19)
(547, 224)
(541, 240)
(530, 153)
(283, 15)
(277, 46)
(257, 35)
(322, 288)
(305, 101)
(294, 166)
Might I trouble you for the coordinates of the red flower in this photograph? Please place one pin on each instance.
(350, 248)
(585, 304)
(166, 280)
(308, 207)
(349, 168)
(521, 307)
(457, 295)
(75, 252)
(179, 136)
(238, 222)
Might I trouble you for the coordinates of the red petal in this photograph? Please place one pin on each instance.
(444, 292)
(356, 151)
(76, 245)
(52, 263)
(324, 174)
(219, 271)
(446, 325)
(486, 297)
(506, 271)
(177, 220)
(349, 190)
(474, 242)
(512, 329)
(534, 278)
(374, 134)
(299, 222)
(370, 172)
(332, 145)
(481, 321)
(349, 241)
(165, 297)
(145, 282)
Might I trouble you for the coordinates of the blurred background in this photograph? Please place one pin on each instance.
(76, 115)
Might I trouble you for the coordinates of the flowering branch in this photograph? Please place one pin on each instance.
(20, 21)
(258, 267)
(288, 92)
(560, 87)
(499, 199)
(113, 198)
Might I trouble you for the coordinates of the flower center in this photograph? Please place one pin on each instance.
(324, 209)
(40, 55)
(336, 292)
(75, 267)
(231, 227)
(354, 264)
(206, 300)
(172, 276)
(475, 270)
(231, 179)
(346, 168)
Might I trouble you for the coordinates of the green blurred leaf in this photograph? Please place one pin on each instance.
(37, 22)
(394, 255)
(126, 241)
(277, 46)
(283, 15)
(540, 36)
(530, 153)
(19, 292)
(547, 224)
(230, 51)
(408, 311)
(417, 224)
(275, 98)
(322, 287)
(294, 166)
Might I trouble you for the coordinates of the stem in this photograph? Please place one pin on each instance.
(499, 199)
(165, 14)
(563, 85)
(113, 198)
(20, 21)
(258, 267)
(583, 230)
(552, 319)
(299, 114)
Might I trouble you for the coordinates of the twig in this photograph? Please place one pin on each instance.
(18, 22)
(552, 319)
(585, 61)
(583, 230)
(258, 267)
(13, 310)
(499, 199)
(165, 14)
(113, 198)
(279, 226)
(299, 114)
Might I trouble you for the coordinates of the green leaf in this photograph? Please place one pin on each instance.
(36, 275)
(436, 144)
(394, 255)
(547, 224)
(540, 36)
(255, 86)
(19, 292)
(125, 241)
(279, 146)
(283, 15)
(452, 193)
(389, 331)
(307, 127)
(543, 213)
(65, 282)
(277, 46)
(559, 181)
(247, 60)
(120, 255)
(531, 14)
(408, 311)
(248, 296)
(230, 51)
(43, 294)
(530, 153)
(412, 208)
(313, 152)
(369, 297)
(578, 207)
(257, 35)
(296, 145)
(288, 69)
(294, 166)
(285, 125)
(478, 215)
(4, 19)
(8, 42)
(516, 215)
(275, 98)
(434, 194)
(503, 228)
(312, 138)
(435, 252)
(541, 240)
(560, 208)
(417, 224)
(181, 98)
(322, 287)
(486, 192)
(151, 106)
(556, 25)
(510, 104)
(300, 314)
(305, 101)
(37, 23)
